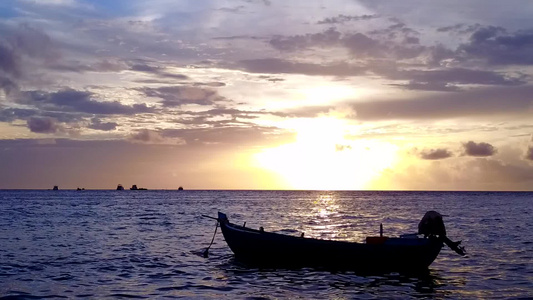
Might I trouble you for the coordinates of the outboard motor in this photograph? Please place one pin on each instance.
(432, 225)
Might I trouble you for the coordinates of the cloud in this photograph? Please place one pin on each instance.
(97, 124)
(479, 149)
(479, 102)
(358, 44)
(448, 79)
(328, 38)
(498, 47)
(460, 28)
(12, 114)
(105, 65)
(209, 84)
(156, 70)
(276, 66)
(9, 59)
(341, 19)
(398, 29)
(79, 101)
(529, 153)
(146, 136)
(7, 85)
(472, 174)
(395, 42)
(231, 134)
(435, 154)
(428, 86)
(20, 47)
(42, 125)
(175, 96)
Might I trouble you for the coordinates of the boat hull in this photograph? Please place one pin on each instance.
(267, 249)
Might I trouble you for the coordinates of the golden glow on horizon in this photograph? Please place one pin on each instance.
(321, 159)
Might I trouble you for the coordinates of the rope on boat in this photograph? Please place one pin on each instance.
(206, 252)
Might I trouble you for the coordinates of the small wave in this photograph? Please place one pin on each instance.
(196, 286)
(127, 296)
(24, 296)
(63, 277)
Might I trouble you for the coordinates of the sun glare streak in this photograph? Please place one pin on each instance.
(322, 159)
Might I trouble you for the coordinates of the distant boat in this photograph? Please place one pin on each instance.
(82, 189)
(135, 188)
(180, 188)
(55, 188)
(120, 187)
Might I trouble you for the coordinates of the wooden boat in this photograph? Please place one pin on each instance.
(267, 249)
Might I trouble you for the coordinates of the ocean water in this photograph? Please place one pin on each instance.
(148, 244)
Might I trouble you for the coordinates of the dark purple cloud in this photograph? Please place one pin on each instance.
(156, 70)
(479, 149)
(97, 124)
(9, 59)
(24, 40)
(399, 42)
(459, 28)
(328, 38)
(175, 96)
(42, 125)
(360, 45)
(341, 19)
(435, 154)
(498, 47)
(12, 114)
(20, 46)
(79, 101)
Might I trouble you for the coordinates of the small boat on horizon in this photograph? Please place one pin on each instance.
(56, 188)
(135, 188)
(120, 187)
(267, 249)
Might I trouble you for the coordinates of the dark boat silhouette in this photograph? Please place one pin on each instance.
(266, 249)
(135, 188)
(120, 187)
(55, 188)
(180, 188)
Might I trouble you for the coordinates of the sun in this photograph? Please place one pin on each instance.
(323, 159)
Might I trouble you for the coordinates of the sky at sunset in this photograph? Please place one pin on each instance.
(265, 94)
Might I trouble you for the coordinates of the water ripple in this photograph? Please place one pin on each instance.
(109, 244)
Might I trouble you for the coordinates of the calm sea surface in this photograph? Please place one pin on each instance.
(148, 244)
